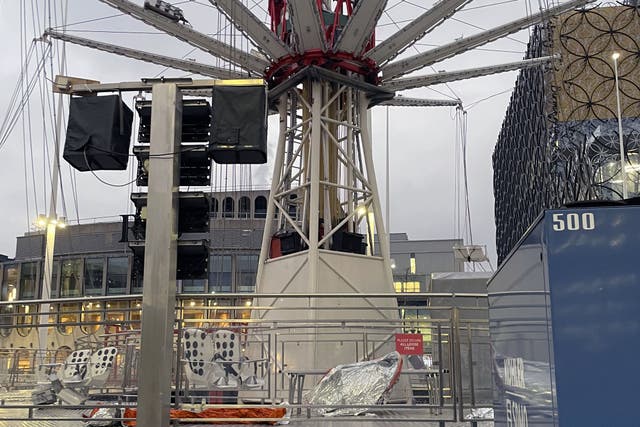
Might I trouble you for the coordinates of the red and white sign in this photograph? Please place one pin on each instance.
(408, 344)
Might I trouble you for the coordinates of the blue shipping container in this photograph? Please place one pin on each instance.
(564, 312)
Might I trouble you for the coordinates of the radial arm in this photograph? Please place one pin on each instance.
(401, 101)
(252, 27)
(398, 42)
(416, 62)
(305, 20)
(445, 77)
(180, 64)
(194, 38)
(361, 25)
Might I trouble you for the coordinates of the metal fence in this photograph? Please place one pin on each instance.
(444, 385)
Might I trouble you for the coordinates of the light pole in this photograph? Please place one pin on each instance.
(615, 57)
(388, 236)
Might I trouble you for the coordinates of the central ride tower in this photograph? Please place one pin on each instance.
(324, 207)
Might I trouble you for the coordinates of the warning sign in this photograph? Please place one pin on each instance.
(408, 344)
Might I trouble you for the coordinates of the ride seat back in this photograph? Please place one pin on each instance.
(100, 366)
(75, 366)
(198, 350)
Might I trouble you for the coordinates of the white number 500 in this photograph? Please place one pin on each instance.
(574, 221)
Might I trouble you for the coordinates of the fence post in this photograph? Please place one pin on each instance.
(440, 370)
(471, 381)
(458, 376)
(176, 397)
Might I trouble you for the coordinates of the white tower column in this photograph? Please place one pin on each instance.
(159, 287)
(327, 174)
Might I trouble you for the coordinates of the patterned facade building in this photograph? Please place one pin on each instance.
(559, 141)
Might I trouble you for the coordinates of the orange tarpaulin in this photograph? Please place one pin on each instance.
(248, 415)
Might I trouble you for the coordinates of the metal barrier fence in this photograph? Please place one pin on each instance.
(444, 385)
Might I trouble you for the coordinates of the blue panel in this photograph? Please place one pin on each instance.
(595, 296)
(521, 338)
(564, 314)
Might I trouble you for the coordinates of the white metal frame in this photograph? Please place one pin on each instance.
(421, 60)
(201, 41)
(329, 168)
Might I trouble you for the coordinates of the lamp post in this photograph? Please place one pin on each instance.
(615, 58)
(50, 224)
(388, 236)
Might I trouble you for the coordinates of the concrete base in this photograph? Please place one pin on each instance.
(338, 272)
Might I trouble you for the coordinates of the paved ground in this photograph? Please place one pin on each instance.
(59, 417)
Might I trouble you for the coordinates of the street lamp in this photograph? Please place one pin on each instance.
(615, 58)
(48, 223)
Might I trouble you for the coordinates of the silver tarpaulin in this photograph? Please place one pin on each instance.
(363, 383)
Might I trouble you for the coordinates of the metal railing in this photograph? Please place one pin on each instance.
(453, 377)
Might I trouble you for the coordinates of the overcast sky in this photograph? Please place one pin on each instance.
(422, 140)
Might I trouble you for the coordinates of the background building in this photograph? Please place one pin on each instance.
(90, 260)
(559, 141)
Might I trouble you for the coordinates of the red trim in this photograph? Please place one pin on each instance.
(287, 66)
(340, 62)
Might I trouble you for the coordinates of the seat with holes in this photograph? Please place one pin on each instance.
(75, 367)
(227, 356)
(100, 365)
(198, 350)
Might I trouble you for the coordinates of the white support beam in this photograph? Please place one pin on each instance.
(180, 64)
(401, 101)
(194, 38)
(361, 25)
(305, 19)
(160, 258)
(418, 28)
(416, 62)
(253, 28)
(445, 77)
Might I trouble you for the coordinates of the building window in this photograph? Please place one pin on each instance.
(117, 275)
(412, 264)
(68, 314)
(71, 278)
(91, 314)
(93, 271)
(244, 207)
(6, 320)
(227, 207)
(216, 312)
(54, 278)
(135, 315)
(116, 314)
(246, 267)
(137, 277)
(407, 286)
(24, 361)
(28, 274)
(193, 311)
(8, 293)
(215, 207)
(220, 277)
(9, 282)
(193, 286)
(417, 321)
(26, 317)
(260, 207)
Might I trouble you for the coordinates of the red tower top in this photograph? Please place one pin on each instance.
(332, 21)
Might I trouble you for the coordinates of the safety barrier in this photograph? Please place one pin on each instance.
(444, 384)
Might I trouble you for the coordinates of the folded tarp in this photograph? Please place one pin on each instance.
(242, 415)
(98, 133)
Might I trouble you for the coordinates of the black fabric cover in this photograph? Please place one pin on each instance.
(239, 125)
(100, 128)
